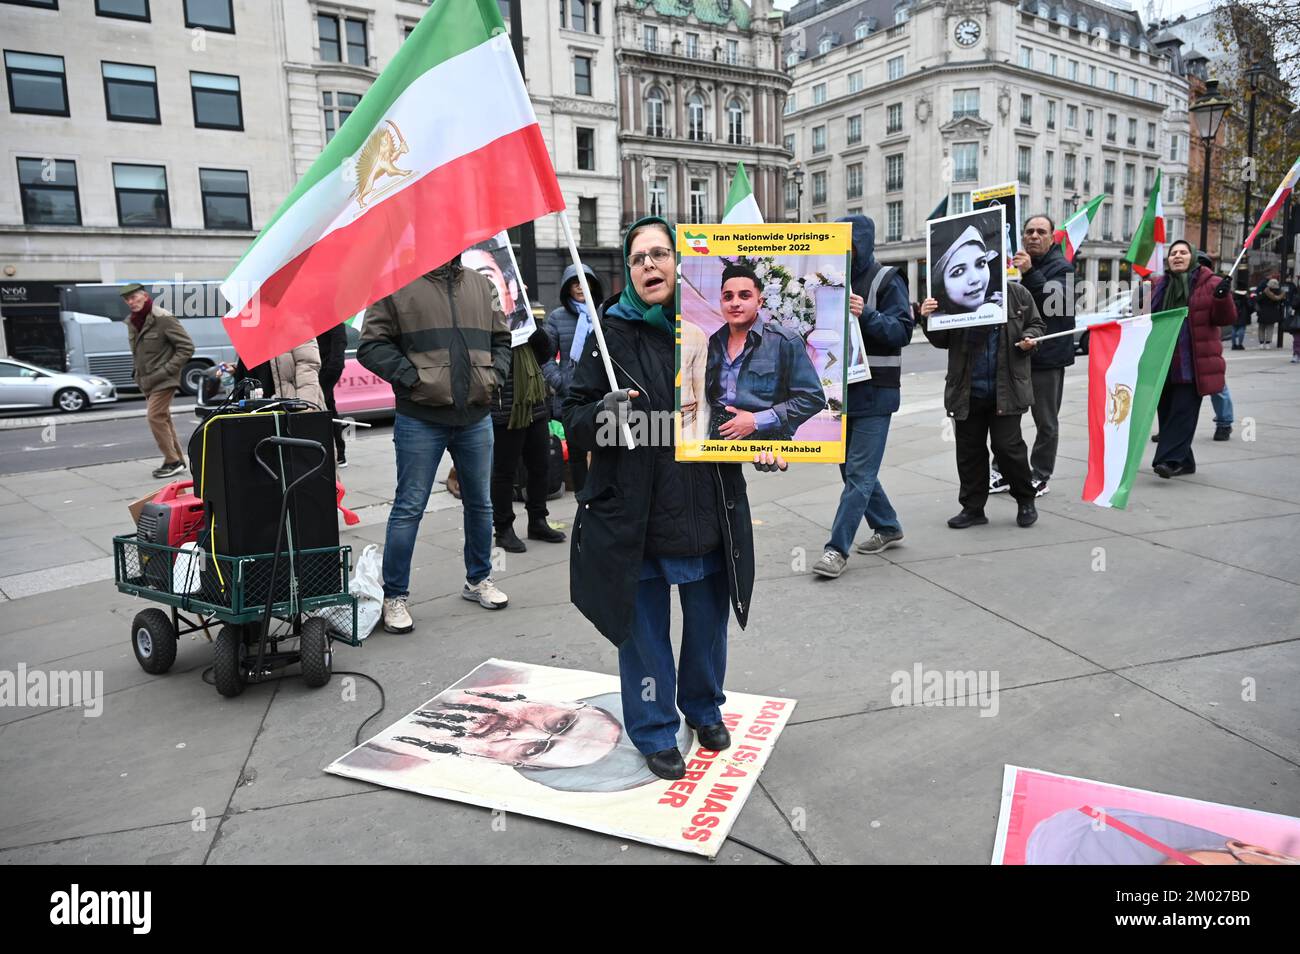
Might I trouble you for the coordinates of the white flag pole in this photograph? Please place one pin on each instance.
(1075, 331)
(591, 311)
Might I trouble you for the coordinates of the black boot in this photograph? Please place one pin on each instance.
(666, 764)
(714, 737)
(967, 518)
(508, 540)
(539, 529)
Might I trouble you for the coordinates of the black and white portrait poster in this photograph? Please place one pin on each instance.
(494, 258)
(965, 254)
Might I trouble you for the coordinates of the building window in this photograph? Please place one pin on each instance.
(960, 203)
(1087, 173)
(1071, 117)
(1092, 76)
(141, 196)
(1052, 64)
(1072, 71)
(1051, 114)
(789, 142)
(791, 193)
(654, 113)
(1049, 161)
(965, 102)
(586, 149)
(37, 84)
(824, 44)
(861, 29)
(1153, 93)
(853, 181)
(855, 82)
(894, 118)
(1151, 135)
(791, 58)
(818, 139)
(1070, 164)
(894, 220)
(893, 173)
(215, 15)
(1089, 123)
(819, 94)
(1107, 222)
(48, 188)
(1108, 176)
(582, 75)
(1130, 178)
(123, 9)
(1026, 109)
(1148, 179)
(1112, 81)
(894, 68)
(1112, 127)
(1027, 57)
(216, 101)
(695, 119)
(699, 200)
(131, 93)
(587, 221)
(578, 15)
(650, 34)
(736, 123)
(819, 188)
(1024, 164)
(43, 4)
(733, 52)
(338, 107)
(1128, 222)
(853, 130)
(966, 164)
(790, 105)
(659, 196)
(1132, 86)
(693, 45)
(1173, 146)
(340, 35)
(225, 199)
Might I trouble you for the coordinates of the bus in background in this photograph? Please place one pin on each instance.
(93, 319)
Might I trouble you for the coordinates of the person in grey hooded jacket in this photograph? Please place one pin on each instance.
(568, 328)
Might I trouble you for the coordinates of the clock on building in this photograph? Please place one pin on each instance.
(967, 33)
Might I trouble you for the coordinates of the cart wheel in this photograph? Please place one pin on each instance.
(228, 661)
(154, 640)
(314, 652)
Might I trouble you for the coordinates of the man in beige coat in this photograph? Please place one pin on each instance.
(160, 347)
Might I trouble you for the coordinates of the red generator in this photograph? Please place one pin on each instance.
(174, 516)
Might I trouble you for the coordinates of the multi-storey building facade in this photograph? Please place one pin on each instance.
(150, 138)
(701, 88)
(898, 104)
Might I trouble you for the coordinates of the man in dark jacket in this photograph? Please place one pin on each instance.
(442, 342)
(160, 347)
(879, 304)
(987, 390)
(568, 328)
(1049, 278)
(333, 346)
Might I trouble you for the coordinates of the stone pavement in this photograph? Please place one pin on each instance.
(1121, 642)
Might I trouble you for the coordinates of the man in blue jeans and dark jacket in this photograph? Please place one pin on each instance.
(443, 343)
(879, 304)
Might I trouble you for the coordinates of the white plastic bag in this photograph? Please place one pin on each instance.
(187, 571)
(368, 587)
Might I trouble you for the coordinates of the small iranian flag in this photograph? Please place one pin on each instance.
(442, 152)
(1127, 364)
(1075, 229)
(1275, 204)
(741, 207)
(1147, 253)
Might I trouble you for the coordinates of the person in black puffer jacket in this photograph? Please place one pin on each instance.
(1049, 278)
(646, 521)
(520, 425)
(569, 327)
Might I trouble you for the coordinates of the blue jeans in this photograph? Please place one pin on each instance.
(863, 496)
(1238, 335)
(1222, 407)
(652, 690)
(420, 445)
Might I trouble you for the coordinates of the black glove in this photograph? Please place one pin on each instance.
(1223, 290)
(615, 406)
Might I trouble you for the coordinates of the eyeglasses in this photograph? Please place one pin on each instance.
(658, 255)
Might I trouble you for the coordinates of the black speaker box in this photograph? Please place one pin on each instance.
(242, 502)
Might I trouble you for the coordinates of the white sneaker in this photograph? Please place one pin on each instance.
(397, 619)
(485, 593)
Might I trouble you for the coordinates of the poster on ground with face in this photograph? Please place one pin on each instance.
(495, 259)
(550, 743)
(1006, 195)
(1049, 819)
(764, 341)
(964, 252)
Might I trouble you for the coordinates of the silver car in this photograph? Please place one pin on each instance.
(27, 385)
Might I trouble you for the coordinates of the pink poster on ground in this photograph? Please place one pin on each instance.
(1049, 819)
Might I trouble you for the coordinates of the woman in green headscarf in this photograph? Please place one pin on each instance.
(647, 522)
(1197, 367)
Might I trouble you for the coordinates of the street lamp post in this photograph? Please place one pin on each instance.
(797, 175)
(1209, 110)
(1252, 77)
